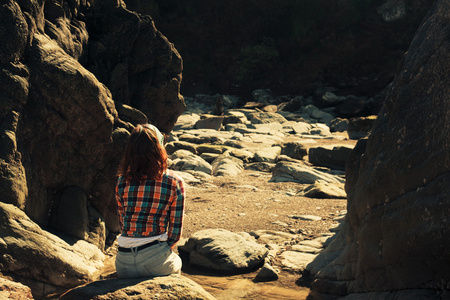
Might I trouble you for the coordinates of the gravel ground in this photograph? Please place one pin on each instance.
(250, 202)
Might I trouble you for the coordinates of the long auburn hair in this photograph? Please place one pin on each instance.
(143, 156)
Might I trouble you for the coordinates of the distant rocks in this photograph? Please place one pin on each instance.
(301, 173)
(333, 158)
(324, 190)
(253, 138)
(265, 141)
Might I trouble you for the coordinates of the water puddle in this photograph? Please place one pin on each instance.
(243, 287)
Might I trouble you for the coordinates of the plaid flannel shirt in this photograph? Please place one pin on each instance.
(151, 207)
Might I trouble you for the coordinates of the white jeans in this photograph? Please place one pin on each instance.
(156, 260)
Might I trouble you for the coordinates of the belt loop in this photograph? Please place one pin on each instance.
(134, 251)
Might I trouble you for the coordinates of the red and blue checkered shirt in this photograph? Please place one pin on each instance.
(151, 207)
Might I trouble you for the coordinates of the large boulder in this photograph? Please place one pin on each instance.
(227, 165)
(330, 157)
(223, 251)
(135, 61)
(41, 260)
(396, 240)
(190, 161)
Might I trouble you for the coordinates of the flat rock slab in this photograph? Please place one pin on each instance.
(306, 249)
(296, 261)
(272, 237)
(306, 217)
(290, 171)
(323, 190)
(313, 243)
(269, 154)
(162, 288)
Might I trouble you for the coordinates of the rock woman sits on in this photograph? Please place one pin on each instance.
(150, 200)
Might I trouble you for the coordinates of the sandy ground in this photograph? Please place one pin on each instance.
(249, 202)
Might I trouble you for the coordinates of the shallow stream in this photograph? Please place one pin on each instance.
(243, 286)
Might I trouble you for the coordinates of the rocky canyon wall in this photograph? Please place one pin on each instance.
(71, 73)
(290, 46)
(396, 239)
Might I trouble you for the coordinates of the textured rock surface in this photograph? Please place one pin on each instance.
(223, 251)
(333, 158)
(397, 233)
(41, 260)
(164, 288)
(64, 66)
(136, 62)
(14, 291)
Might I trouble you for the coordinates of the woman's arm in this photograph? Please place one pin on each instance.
(176, 214)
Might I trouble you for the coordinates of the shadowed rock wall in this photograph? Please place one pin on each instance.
(289, 46)
(397, 241)
(67, 70)
(65, 67)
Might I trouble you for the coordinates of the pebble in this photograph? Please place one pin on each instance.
(306, 217)
(280, 223)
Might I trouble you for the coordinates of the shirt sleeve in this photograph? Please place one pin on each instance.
(176, 214)
(119, 202)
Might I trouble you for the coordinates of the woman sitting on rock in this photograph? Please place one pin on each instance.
(150, 202)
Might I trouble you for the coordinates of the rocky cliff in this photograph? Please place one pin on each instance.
(289, 46)
(69, 72)
(396, 240)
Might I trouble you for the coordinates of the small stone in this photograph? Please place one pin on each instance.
(305, 249)
(306, 217)
(280, 223)
(267, 273)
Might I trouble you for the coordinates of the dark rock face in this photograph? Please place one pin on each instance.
(63, 66)
(331, 158)
(397, 237)
(136, 62)
(287, 46)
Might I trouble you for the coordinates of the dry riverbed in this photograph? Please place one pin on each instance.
(247, 203)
